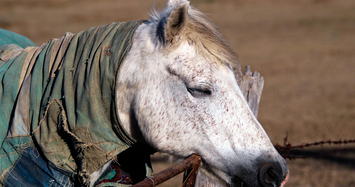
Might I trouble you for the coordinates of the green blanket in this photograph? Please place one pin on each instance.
(8, 37)
(60, 99)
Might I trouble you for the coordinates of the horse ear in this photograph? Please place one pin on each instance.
(171, 28)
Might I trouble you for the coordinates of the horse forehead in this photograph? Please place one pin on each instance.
(191, 67)
(187, 56)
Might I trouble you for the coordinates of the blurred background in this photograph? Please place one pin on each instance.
(304, 49)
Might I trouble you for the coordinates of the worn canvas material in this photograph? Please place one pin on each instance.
(59, 98)
(8, 37)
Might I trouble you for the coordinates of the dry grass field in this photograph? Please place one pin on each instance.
(305, 49)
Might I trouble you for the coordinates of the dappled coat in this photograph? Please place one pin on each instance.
(58, 115)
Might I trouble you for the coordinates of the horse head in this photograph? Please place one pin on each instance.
(179, 94)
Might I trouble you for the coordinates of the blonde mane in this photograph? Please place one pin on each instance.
(209, 42)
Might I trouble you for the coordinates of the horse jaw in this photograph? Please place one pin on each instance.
(155, 106)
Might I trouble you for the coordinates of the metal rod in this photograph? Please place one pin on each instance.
(192, 161)
(190, 176)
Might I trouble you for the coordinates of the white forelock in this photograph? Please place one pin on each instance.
(173, 3)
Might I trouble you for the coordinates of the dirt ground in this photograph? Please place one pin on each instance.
(304, 49)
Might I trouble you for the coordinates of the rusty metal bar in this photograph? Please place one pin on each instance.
(190, 176)
(192, 162)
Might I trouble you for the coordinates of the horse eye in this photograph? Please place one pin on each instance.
(197, 92)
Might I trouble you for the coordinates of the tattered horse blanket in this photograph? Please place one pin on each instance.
(58, 116)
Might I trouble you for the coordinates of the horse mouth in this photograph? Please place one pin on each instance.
(285, 181)
(239, 183)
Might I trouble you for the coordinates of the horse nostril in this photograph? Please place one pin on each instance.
(270, 175)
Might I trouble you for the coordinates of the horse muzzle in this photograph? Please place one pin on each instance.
(269, 175)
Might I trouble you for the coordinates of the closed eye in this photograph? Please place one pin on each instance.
(199, 92)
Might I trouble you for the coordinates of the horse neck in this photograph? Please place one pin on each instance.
(129, 76)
